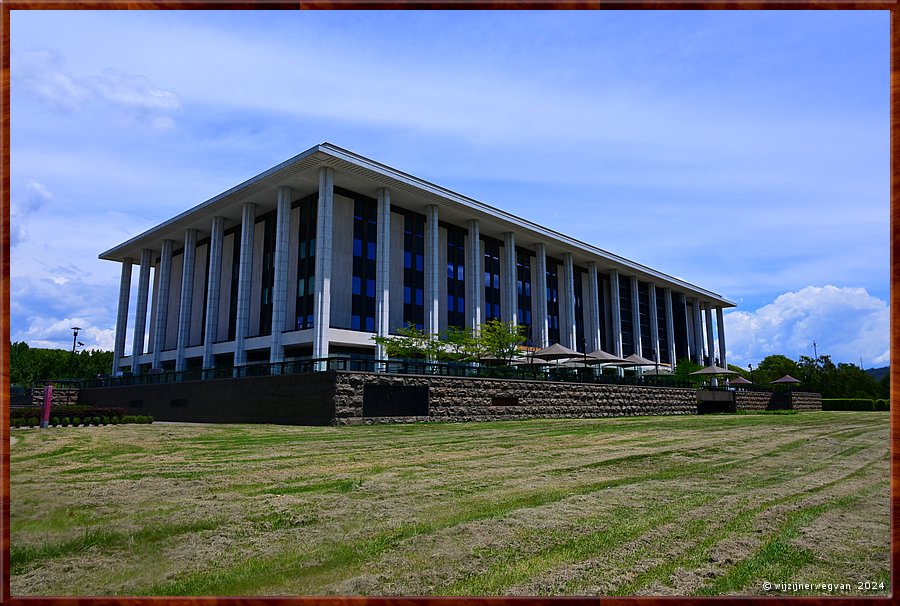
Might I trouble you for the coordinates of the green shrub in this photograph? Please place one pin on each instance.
(66, 421)
(114, 420)
(881, 405)
(857, 404)
(33, 422)
(104, 420)
(137, 419)
(55, 421)
(76, 422)
(16, 422)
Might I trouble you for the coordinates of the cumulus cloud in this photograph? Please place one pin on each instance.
(33, 199)
(42, 73)
(846, 323)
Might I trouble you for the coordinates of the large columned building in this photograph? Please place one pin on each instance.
(313, 257)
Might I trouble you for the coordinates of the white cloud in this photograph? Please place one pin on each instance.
(846, 323)
(42, 73)
(35, 197)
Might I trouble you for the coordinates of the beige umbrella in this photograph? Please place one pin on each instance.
(786, 379)
(714, 370)
(556, 352)
(740, 381)
(601, 357)
(637, 360)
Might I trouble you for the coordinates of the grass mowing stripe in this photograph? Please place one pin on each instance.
(737, 523)
(514, 567)
(251, 575)
(778, 559)
(21, 556)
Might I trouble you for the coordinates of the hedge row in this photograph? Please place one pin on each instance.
(76, 421)
(857, 404)
(69, 410)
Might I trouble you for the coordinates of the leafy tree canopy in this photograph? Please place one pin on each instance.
(29, 366)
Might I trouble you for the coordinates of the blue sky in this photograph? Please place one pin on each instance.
(745, 152)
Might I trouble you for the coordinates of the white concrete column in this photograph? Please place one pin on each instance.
(161, 301)
(383, 269)
(122, 313)
(539, 323)
(654, 319)
(698, 331)
(567, 330)
(509, 302)
(213, 283)
(710, 344)
(187, 295)
(432, 271)
(615, 312)
(324, 231)
(474, 276)
(140, 315)
(720, 321)
(280, 283)
(592, 333)
(670, 325)
(245, 270)
(635, 316)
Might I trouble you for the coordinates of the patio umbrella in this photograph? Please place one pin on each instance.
(786, 379)
(556, 352)
(741, 381)
(601, 357)
(637, 360)
(664, 370)
(714, 370)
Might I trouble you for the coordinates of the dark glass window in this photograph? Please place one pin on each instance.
(553, 300)
(680, 325)
(362, 307)
(603, 283)
(625, 313)
(644, 316)
(579, 309)
(268, 272)
(306, 261)
(413, 270)
(523, 290)
(664, 355)
(235, 279)
(491, 279)
(456, 285)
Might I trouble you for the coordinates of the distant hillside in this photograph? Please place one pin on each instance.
(877, 373)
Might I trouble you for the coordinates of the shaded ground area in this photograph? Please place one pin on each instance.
(686, 505)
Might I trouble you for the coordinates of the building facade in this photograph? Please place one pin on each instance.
(318, 254)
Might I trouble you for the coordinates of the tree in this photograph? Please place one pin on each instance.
(500, 340)
(774, 367)
(30, 365)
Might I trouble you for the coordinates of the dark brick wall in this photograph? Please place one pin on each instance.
(301, 399)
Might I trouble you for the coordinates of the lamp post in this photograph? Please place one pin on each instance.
(75, 330)
(750, 368)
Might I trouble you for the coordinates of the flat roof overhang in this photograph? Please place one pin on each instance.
(365, 176)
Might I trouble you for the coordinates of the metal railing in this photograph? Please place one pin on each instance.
(408, 367)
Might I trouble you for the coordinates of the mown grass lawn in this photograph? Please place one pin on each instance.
(683, 505)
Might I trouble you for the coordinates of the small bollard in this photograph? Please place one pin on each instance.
(48, 397)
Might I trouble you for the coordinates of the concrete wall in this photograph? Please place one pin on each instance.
(457, 399)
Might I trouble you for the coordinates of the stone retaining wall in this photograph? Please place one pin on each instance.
(474, 399)
(761, 400)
